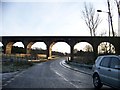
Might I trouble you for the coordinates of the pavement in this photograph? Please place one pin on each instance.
(73, 66)
(86, 69)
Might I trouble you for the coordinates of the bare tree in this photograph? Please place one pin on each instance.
(117, 2)
(118, 6)
(88, 48)
(105, 48)
(110, 16)
(103, 33)
(91, 19)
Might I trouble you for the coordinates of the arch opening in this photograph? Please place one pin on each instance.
(59, 49)
(83, 53)
(1, 44)
(37, 50)
(18, 48)
(106, 48)
(1, 47)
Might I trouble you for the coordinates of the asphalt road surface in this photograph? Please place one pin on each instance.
(50, 74)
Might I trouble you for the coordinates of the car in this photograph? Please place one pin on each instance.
(106, 71)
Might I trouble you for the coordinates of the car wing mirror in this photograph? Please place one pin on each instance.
(117, 67)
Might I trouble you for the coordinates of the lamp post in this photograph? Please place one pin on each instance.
(108, 25)
(108, 19)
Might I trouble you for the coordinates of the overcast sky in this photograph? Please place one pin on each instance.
(50, 17)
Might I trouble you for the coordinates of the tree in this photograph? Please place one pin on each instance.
(106, 47)
(117, 2)
(103, 33)
(110, 16)
(91, 19)
(88, 48)
(16, 49)
(118, 6)
(75, 50)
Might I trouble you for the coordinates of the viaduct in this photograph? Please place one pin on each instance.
(28, 41)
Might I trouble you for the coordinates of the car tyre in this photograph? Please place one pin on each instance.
(96, 81)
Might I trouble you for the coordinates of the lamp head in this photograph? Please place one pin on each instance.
(99, 10)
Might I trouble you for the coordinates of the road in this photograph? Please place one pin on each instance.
(50, 74)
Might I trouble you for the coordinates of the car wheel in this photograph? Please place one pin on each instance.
(96, 81)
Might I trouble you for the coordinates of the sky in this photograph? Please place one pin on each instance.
(50, 17)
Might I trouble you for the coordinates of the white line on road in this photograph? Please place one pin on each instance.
(65, 79)
(9, 81)
(67, 66)
(12, 79)
(62, 65)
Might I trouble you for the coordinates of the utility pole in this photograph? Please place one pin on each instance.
(111, 22)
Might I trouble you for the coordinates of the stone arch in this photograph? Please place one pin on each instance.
(83, 52)
(60, 46)
(106, 47)
(50, 49)
(39, 46)
(29, 47)
(30, 44)
(18, 47)
(84, 44)
(9, 47)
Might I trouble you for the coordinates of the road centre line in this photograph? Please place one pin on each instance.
(66, 79)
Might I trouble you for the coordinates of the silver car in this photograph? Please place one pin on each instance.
(107, 71)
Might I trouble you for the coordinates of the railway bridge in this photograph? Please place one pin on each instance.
(28, 41)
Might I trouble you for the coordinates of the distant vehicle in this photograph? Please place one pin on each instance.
(107, 71)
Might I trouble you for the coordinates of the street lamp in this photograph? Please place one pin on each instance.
(99, 10)
(108, 25)
(108, 19)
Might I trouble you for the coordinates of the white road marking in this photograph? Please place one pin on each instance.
(9, 81)
(63, 65)
(66, 79)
